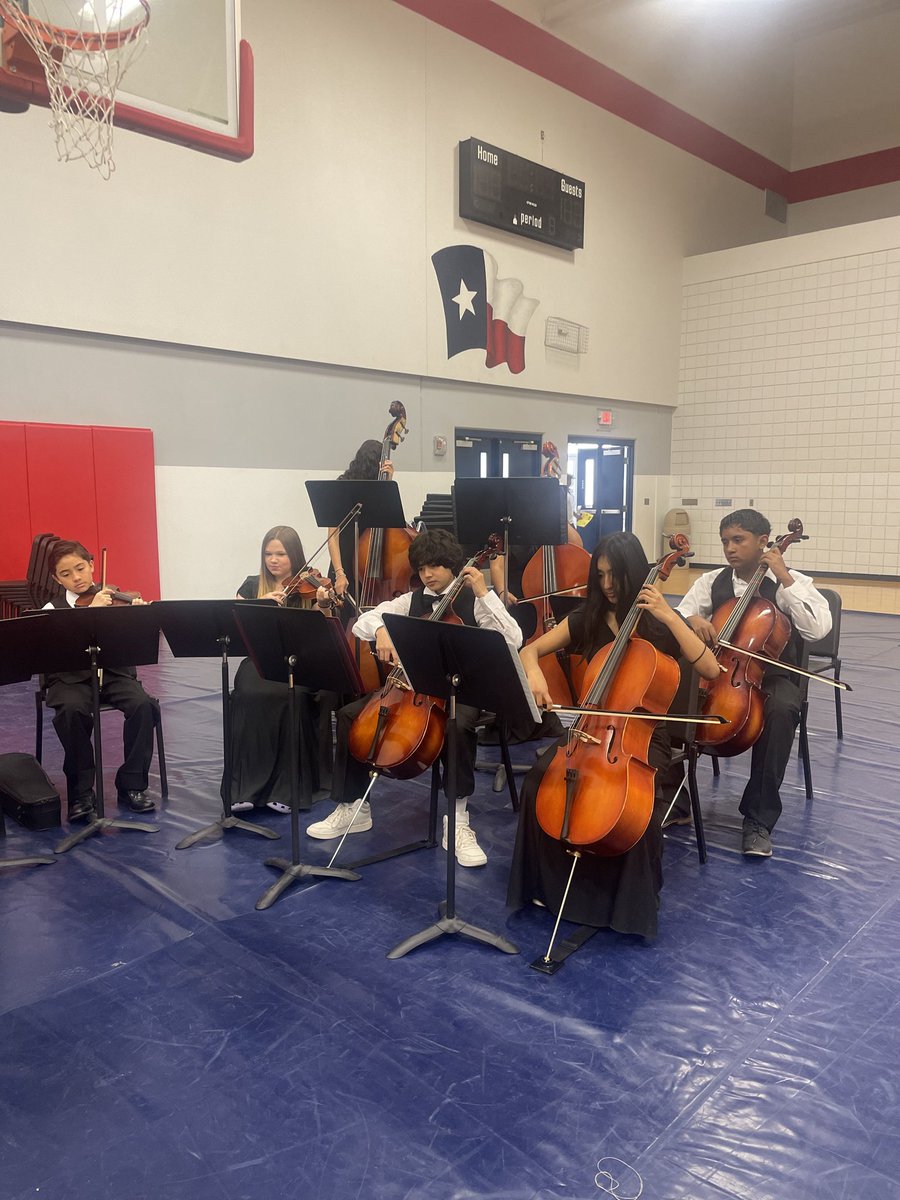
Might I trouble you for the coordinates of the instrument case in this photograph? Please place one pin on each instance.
(26, 792)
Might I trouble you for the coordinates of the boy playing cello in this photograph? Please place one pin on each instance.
(745, 540)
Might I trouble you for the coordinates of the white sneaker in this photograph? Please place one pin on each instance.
(337, 824)
(468, 852)
(242, 806)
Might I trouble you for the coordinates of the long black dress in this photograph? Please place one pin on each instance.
(620, 893)
(260, 731)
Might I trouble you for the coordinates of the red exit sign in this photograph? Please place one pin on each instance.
(604, 418)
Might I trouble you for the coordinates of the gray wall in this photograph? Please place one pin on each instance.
(213, 408)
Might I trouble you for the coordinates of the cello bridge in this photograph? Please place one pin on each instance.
(586, 737)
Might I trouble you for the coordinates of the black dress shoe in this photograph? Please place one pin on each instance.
(136, 801)
(82, 807)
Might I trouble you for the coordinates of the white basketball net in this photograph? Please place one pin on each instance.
(85, 48)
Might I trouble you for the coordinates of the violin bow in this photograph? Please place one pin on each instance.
(558, 592)
(839, 684)
(684, 718)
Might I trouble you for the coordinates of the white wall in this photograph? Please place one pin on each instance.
(789, 394)
(318, 248)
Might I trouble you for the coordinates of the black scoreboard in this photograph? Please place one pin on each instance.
(500, 189)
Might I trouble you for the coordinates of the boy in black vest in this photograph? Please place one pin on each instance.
(745, 537)
(70, 695)
(438, 558)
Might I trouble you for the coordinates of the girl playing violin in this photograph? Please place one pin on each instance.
(69, 694)
(621, 892)
(260, 762)
(745, 541)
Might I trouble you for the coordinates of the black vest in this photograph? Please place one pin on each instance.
(723, 589)
(463, 605)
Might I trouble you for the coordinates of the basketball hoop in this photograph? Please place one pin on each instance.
(84, 61)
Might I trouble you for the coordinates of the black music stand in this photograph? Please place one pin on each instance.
(90, 638)
(207, 629)
(530, 510)
(472, 666)
(377, 502)
(14, 668)
(297, 645)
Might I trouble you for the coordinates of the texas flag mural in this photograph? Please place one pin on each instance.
(480, 310)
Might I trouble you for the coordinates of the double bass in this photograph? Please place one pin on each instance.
(399, 732)
(597, 793)
(753, 628)
(382, 565)
(553, 571)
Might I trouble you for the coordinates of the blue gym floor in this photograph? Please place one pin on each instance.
(162, 1040)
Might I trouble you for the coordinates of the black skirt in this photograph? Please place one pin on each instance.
(620, 893)
(260, 737)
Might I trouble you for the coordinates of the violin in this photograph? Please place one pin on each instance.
(597, 793)
(306, 584)
(118, 597)
(400, 733)
(550, 571)
(753, 627)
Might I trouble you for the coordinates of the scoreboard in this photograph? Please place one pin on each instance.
(508, 192)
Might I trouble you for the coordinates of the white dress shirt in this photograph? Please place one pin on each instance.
(807, 608)
(490, 613)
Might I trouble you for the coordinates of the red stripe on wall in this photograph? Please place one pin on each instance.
(494, 27)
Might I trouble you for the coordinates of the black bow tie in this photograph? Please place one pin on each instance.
(430, 601)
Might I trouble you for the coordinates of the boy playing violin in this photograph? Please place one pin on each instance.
(69, 694)
(745, 540)
(437, 558)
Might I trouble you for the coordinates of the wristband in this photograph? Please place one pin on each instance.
(691, 661)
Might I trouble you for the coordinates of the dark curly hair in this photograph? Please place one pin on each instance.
(436, 548)
(366, 462)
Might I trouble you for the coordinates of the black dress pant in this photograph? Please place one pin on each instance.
(351, 778)
(772, 750)
(74, 724)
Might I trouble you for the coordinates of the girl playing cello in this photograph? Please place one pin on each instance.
(620, 892)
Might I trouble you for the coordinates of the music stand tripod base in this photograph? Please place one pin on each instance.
(218, 827)
(293, 873)
(35, 860)
(452, 925)
(97, 826)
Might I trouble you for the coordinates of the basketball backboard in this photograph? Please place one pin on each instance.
(191, 84)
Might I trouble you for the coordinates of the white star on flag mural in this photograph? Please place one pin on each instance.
(464, 300)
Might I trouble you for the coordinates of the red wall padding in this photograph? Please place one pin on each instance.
(91, 484)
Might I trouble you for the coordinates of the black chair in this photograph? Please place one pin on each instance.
(685, 751)
(827, 648)
(40, 699)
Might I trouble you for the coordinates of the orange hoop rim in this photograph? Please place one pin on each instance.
(72, 39)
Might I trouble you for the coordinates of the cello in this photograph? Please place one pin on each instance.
(753, 628)
(551, 571)
(400, 733)
(597, 793)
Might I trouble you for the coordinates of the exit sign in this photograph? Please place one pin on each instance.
(604, 418)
